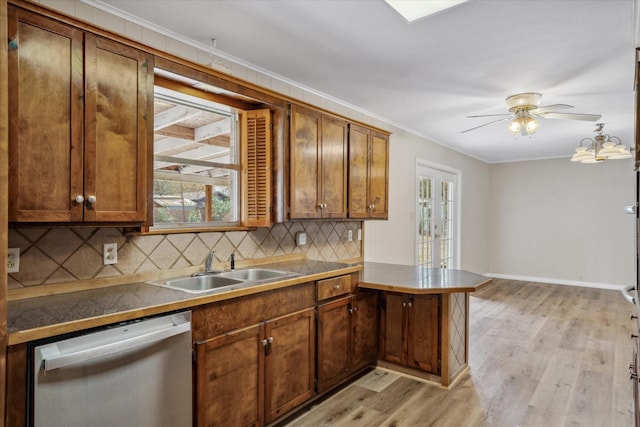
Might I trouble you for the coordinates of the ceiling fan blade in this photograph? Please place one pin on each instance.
(571, 116)
(486, 124)
(550, 108)
(490, 115)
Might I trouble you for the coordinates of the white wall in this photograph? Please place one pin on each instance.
(562, 222)
(393, 241)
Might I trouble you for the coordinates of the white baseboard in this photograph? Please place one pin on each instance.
(616, 287)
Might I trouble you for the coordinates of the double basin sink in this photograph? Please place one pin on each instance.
(224, 281)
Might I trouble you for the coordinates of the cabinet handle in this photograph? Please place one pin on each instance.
(79, 199)
(633, 336)
(633, 316)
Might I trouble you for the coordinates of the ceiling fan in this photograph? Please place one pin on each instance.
(524, 110)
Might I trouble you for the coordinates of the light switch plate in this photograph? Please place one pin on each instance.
(13, 260)
(359, 233)
(350, 235)
(110, 253)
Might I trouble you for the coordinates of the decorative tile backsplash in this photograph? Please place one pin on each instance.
(65, 254)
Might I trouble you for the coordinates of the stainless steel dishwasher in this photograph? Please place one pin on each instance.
(134, 374)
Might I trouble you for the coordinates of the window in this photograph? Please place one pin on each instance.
(196, 162)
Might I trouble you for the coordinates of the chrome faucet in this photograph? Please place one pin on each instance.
(233, 261)
(208, 262)
(207, 266)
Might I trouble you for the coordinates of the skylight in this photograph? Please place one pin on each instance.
(413, 10)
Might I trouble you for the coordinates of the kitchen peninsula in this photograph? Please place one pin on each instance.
(424, 318)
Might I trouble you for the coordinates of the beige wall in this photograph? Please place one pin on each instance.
(553, 220)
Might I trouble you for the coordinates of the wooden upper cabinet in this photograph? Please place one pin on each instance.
(256, 179)
(318, 165)
(118, 93)
(368, 173)
(78, 130)
(45, 118)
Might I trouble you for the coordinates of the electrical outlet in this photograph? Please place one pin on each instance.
(110, 253)
(301, 238)
(350, 235)
(13, 260)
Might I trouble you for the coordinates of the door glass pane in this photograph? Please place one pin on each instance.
(425, 224)
(446, 221)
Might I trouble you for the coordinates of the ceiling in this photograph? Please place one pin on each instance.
(427, 76)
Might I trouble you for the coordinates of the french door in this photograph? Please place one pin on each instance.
(437, 217)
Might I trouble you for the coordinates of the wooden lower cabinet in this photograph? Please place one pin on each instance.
(347, 337)
(229, 377)
(289, 362)
(409, 331)
(251, 376)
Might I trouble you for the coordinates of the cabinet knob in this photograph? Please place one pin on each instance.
(336, 287)
(91, 199)
(79, 198)
(633, 336)
(264, 343)
(372, 206)
(633, 316)
(410, 304)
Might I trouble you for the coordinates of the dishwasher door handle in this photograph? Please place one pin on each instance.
(67, 359)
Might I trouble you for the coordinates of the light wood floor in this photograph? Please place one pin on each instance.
(540, 355)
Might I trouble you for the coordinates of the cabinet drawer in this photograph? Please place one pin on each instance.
(334, 286)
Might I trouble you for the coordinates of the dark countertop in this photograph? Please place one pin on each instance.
(46, 316)
(419, 280)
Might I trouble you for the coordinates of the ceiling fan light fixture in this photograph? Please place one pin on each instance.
(514, 125)
(531, 125)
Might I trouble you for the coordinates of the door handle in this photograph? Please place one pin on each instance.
(62, 360)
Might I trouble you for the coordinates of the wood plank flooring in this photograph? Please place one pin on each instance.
(540, 355)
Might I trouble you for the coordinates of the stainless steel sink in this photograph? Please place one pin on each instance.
(221, 281)
(198, 284)
(254, 274)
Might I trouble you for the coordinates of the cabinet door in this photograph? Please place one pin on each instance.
(393, 327)
(334, 342)
(289, 364)
(379, 176)
(304, 198)
(333, 170)
(119, 90)
(364, 329)
(423, 333)
(230, 379)
(45, 118)
(358, 171)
